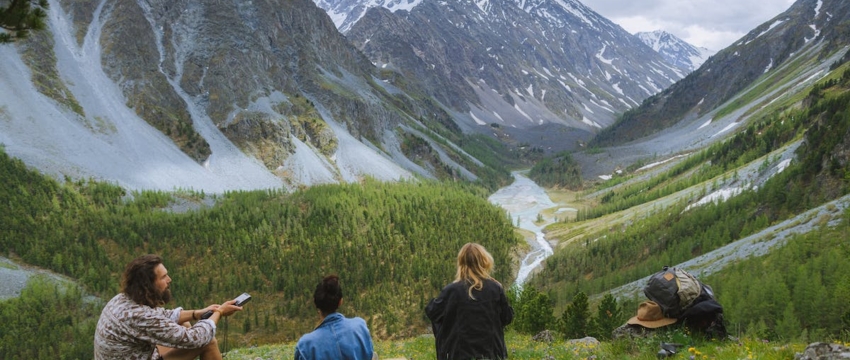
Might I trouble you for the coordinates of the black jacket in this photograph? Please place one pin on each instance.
(470, 329)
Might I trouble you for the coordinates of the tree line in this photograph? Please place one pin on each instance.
(557, 171)
(393, 244)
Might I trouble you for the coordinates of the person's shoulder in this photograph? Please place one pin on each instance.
(308, 338)
(118, 298)
(357, 320)
(455, 286)
(121, 303)
(493, 284)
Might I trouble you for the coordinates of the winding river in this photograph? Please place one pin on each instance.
(524, 199)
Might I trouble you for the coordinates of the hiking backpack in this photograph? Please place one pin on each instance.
(680, 295)
(674, 290)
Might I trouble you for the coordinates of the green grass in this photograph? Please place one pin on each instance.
(523, 347)
(782, 76)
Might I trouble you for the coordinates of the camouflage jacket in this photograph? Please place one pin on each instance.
(127, 330)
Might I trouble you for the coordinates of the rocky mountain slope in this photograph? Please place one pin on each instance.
(345, 13)
(806, 94)
(809, 32)
(547, 72)
(213, 96)
(675, 50)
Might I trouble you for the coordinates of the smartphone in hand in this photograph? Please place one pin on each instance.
(240, 300)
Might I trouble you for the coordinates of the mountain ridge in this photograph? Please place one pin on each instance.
(516, 64)
(677, 51)
(806, 24)
(250, 110)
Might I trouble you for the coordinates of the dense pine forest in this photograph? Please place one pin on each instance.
(557, 171)
(393, 245)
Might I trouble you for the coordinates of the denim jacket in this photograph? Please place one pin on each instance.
(337, 337)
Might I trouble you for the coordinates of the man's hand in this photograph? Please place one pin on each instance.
(212, 307)
(228, 308)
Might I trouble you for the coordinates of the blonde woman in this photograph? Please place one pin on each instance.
(470, 314)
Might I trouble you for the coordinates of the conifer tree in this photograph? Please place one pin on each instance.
(533, 311)
(609, 316)
(788, 327)
(575, 320)
(18, 17)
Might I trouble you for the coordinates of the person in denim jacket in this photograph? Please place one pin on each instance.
(337, 337)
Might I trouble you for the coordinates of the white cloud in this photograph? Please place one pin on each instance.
(714, 24)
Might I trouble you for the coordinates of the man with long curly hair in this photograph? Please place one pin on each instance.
(134, 325)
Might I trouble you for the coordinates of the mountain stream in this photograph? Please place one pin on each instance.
(524, 200)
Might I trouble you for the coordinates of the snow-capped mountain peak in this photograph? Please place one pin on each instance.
(675, 50)
(522, 64)
(345, 13)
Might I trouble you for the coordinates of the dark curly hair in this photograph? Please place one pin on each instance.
(138, 281)
(328, 294)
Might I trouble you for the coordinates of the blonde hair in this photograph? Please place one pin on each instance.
(474, 265)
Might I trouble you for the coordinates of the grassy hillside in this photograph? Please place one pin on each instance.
(393, 244)
(638, 225)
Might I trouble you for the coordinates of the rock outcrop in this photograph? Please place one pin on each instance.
(824, 351)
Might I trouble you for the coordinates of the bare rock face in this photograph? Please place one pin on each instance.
(261, 135)
(82, 13)
(264, 73)
(559, 62)
(131, 57)
(178, 62)
(268, 135)
(824, 351)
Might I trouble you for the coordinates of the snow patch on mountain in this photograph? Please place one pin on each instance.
(601, 55)
(576, 9)
(346, 13)
(773, 25)
(675, 50)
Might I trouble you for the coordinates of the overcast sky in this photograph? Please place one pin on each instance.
(714, 24)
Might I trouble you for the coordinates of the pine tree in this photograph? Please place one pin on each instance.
(609, 316)
(21, 16)
(575, 320)
(533, 311)
(788, 327)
